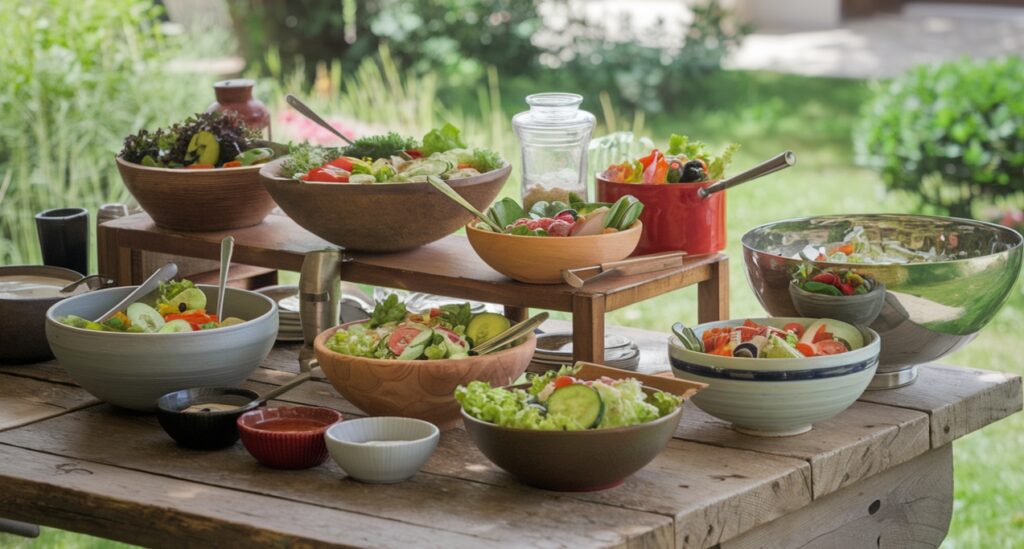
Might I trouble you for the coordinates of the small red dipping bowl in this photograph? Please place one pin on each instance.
(675, 217)
(287, 437)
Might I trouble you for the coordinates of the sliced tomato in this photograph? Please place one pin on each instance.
(327, 174)
(564, 381)
(401, 337)
(805, 349)
(821, 335)
(413, 153)
(435, 312)
(342, 162)
(830, 347)
(794, 327)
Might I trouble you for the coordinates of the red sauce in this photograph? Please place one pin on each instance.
(289, 425)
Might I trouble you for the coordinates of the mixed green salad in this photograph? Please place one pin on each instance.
(393, 332)
(391, 158)
(573, 218)
(558, 401)
(179, 307)
(857, 246)
(203, 141)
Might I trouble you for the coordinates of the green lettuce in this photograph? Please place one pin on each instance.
(442, 139)
(391, 309)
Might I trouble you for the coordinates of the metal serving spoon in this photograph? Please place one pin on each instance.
(513, 333)
(227, 246)
(304, 110)
(94, 282)
(448, 191)
(772, 165)
(163, 274)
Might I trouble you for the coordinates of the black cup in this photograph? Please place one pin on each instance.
(64, 238)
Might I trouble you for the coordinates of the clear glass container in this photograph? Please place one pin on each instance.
(553, 136)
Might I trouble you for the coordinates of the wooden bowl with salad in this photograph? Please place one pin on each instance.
(536, 246)
(408, 364)
(199, 175)
(373, 196)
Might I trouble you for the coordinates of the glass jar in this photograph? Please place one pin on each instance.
(553, 136)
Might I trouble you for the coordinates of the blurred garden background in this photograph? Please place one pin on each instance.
(905, 108)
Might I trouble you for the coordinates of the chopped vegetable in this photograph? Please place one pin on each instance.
(207, 140)
(793, 340)
(684, 161)
(444, 139)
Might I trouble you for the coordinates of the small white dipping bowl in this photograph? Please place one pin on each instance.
(382, 450)
(776, 396)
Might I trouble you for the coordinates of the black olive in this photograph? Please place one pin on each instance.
(693, 171)
(181, 307)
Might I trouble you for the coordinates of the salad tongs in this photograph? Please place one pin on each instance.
(637, 265)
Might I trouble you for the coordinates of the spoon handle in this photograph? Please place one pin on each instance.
(227, 246)
(511, 334)
(772, 165)
(308, 113)
(163, 274)
(448, 191)
(295, 382)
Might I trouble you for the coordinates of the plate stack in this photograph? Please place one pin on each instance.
(555, 349)
(353, 307)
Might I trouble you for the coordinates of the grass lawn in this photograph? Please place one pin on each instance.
(813, 117)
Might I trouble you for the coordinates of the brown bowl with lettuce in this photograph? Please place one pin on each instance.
(199, 175)
(373, 195)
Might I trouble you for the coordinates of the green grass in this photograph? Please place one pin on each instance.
(768, 114)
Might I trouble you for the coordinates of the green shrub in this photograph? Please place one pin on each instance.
(78, 77)
(949, 134)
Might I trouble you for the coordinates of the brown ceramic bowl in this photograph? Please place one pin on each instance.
(385, 217)
(574, 461)
(287, 437)
(23, 322)
(198, 200)
(420, 389)
(541, 259)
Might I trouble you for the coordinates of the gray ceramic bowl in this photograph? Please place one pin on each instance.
(22, 326)
(400, 447)
(134, 370)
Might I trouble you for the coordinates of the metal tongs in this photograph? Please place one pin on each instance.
(637, 265)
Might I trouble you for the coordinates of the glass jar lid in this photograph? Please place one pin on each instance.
(554, 110)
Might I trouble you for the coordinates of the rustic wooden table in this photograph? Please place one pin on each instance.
(447, 267)
(879, 474)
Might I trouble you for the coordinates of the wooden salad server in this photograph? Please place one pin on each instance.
(637, 265)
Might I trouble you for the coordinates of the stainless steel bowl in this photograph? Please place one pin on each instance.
(931, 309)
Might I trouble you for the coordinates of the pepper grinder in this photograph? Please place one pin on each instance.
(319, 298)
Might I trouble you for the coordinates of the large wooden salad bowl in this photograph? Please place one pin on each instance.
(420, 389)
(382, 217)
(191, 200)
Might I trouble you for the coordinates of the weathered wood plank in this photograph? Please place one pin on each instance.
(960, 400)
(504, 515)
(156, 511)
(863, 441)
(908, 506)
(51, 370)
(24, 400)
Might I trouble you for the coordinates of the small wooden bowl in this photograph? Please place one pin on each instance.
(860, 309)
(198, 200)
(383, 217)
(541, 259)
(420, 389)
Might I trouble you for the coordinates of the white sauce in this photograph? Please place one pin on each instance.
(34, 287)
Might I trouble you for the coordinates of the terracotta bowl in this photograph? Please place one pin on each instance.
(287, 437)
(198, 200)
(540, 260)
(386, 217)
(420, 389)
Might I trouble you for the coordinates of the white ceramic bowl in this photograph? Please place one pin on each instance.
(405, 445)
(774, 396)
(134, 370)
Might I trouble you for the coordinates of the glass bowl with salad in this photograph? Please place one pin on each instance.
(407, 363)
(775, 376)
(200, 174)
(535, 246)
(667, 181)
(163, 343)
(372, 196)
(538, 430)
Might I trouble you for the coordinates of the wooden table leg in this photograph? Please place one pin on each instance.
(588, 328)
(713, 294)
(909, 505)
(517, 314)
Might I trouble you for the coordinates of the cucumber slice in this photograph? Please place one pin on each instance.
(145, 317)
(188, 300)
(850, 334)
(177, 325)
(422, 339)
(485, 326)
(778, 348)
(412, 352)
(579, 402)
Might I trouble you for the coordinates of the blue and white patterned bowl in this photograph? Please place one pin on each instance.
(776, 396)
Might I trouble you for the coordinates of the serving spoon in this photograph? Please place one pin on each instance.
(513, 333)
(309, 113)
(163, 274)
(94, 282)
(448, 191)
(227, 246)
(779, 162)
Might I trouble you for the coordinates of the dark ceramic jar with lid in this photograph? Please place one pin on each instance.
(235, 96)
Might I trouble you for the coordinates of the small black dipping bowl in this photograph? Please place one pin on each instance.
(204, 430)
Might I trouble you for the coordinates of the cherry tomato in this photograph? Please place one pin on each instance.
(794, 327)
(342, 162)
(564, 381)
(436, 311)
(830, 347)
(821, 335)
(805, 349)
(414, 153)
(401, 337)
